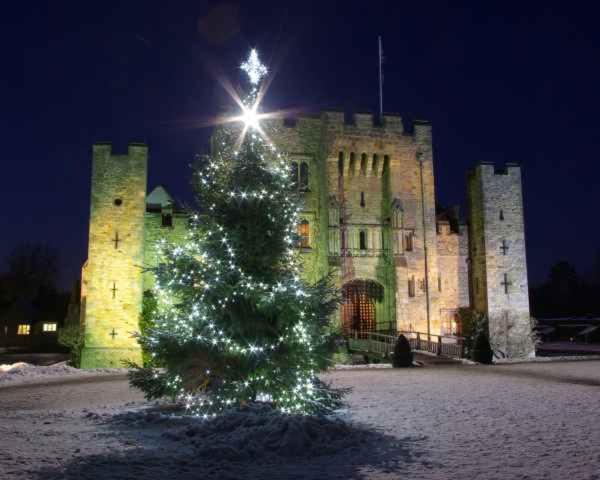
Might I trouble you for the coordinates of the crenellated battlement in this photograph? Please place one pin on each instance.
(106, 149)
(490, 170)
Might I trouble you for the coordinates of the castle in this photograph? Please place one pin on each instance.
(369, 215)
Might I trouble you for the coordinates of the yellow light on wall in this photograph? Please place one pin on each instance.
(49, 327)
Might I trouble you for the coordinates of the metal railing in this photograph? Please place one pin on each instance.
(383, 344)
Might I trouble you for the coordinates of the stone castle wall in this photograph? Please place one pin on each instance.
(499, 259)
(453, 279)
(112, 277)
(370, 206)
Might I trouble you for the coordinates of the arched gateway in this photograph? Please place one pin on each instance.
(358, 307)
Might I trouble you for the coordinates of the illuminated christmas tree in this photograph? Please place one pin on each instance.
(234, 321)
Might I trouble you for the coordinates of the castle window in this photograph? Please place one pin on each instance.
(167, 220)
(411, 287)
(386, 164)
(363, 164)
(501, 214)
(118, 202)
(304, 234)
(375, 166)
(362, 199)
(304, 177)
(341, 164)
(49, 327)
(408, 242)
(362, 239)
(24, 329)
(439, 283)
(352, 163)
(294, 174)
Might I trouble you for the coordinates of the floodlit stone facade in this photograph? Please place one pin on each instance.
(369, 217)
(497, 252)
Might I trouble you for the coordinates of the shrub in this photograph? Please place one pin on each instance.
(71, 336)
(482, 351)
(403, 356)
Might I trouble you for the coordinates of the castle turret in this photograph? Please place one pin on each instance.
(113, 273)
(499, 286)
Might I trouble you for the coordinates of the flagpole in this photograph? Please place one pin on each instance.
(380, 80)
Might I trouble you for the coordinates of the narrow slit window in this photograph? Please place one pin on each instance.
(386, 164)
(439, 283)
(362, 199)
(341, 164)
(352, 163)
(304, 177)
(411, 287)
(362, 240)
(363, 164)
(408, 242)
(501, 214)
(375, 165)
(294, 175)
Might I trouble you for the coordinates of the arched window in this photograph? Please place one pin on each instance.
(363, 164)
(304, 234)
(362, 238)
(386, 164)
(341, 164)
(375, 165)
(294, 175)
(352, 163)
(396, 213)
(303, 177)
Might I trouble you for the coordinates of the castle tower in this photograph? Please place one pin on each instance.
(499, 286)
(112, 277)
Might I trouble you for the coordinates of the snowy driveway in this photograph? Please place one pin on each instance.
(538, 420)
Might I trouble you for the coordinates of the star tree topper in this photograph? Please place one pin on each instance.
(254, 68)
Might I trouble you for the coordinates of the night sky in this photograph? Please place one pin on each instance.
(501, 82)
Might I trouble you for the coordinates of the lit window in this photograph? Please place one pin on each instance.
(304, 234)
(23, 329)
(49, 327)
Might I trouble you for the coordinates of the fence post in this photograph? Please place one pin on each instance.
(418, 341)
(439, 345)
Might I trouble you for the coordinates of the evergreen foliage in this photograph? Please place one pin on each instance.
(233, 320)
(482, 351)
(403, 355)
(71, 336)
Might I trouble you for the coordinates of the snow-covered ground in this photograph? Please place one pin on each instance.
(524, 421)
(22, 372)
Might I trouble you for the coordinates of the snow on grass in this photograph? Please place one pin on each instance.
(22, 372)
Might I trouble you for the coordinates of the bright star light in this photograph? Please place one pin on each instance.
(254, 68)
